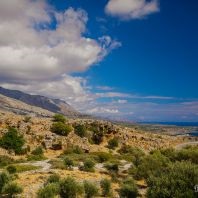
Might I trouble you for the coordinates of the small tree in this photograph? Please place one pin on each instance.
(70, 188)
(68, 163)
(11, 169)
(59, 118)
(80, 130)
(88, 166)
(12, 141)
(177, 180)
(113, 143)
(90, 189)
(54, 178)
(106, 187)
(37, 151)
(4, 179)
(49, 191)
(12, 189)
(128, 189)
(61, 128)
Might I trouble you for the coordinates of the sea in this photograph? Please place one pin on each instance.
(194, 132)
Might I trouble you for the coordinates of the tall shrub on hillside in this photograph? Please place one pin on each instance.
(12, 141)
(178, 180)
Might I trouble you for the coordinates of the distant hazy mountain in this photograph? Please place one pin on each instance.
(52, 105)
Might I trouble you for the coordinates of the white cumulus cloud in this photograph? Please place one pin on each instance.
(40, 47)
(131, 9)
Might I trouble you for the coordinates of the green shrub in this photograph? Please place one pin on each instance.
(106, 187)
(188, 154)
(11, 169)
(77, 150)
(68, 163)
(177, 180)
(37, 151)
(70, 188)
(35, 157)
(152, 165)
(170, 153)
(12, 141)
(128, 189)
(113, 143)
(12, 189)
(74, 149)
(54, 178)
(88, 166)
(102, 156)
(59, 118)
(112, 167)
(61, 128)
(49, 191)
(5, 160)
(90, 189)
(4, 179)
(134, 154)
(97, 136)
(80, 130)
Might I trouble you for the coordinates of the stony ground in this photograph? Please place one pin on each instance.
(37, 131)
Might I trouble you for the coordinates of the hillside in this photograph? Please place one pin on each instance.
(112, 152)
(52, 105)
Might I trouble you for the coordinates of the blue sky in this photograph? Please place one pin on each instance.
(142, 64)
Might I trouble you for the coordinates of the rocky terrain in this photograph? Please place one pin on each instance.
(37, 133)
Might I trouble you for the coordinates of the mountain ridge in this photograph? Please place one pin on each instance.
(49, 104)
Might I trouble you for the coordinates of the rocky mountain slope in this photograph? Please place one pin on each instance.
(52, 105)
(11, 105)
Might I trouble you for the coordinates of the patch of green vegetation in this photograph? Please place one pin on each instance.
(177, 180)
(70, 188)
(49, 191)
(7, 187)
(128, 189)
(25, 167)
(69, 163)
(59, 118)
(88, 166)
(101, 157)
(80, 130)
(90, 189)
(5, 161)
(113, 143)
(11, 169)
(106, 187)
(54, 178)
(37, 151)
(13, 141)
(61, 128)
(36, 155)
(12, 189)
(151, 164)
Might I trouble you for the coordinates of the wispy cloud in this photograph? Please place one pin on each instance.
(105, 88)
